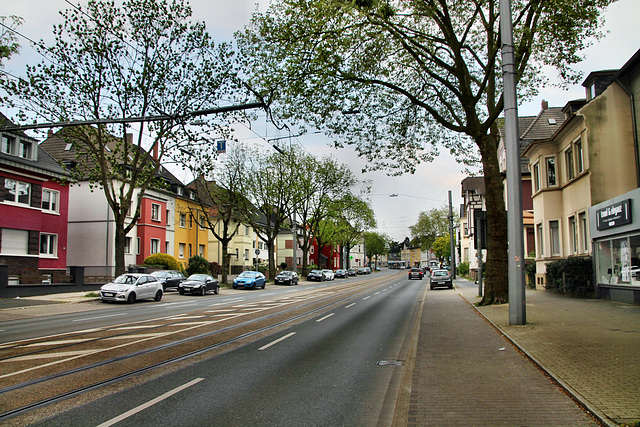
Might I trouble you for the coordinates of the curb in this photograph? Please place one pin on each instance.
(577, 397)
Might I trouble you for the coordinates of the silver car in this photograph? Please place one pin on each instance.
(130, 287)
(440, 278)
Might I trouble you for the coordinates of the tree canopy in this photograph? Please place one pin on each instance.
(430, 225)
(400, 78)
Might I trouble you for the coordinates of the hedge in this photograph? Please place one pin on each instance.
(164, 260)
(571, 276)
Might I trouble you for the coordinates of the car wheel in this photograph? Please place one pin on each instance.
(431, 287)
(131, 298)
(254, 285)
(264, 284)
(203, 290)
(451, 286)
(180, 291)
(216, 291)
(158, 296)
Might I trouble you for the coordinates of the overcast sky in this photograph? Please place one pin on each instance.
(428, 187)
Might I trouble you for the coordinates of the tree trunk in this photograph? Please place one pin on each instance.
(496, 274)
(119, 244)
(224, 267)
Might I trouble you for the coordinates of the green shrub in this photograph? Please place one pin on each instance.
(530, 270)
(572, 276)
(166, 261)
(283, 266)
(463, 269)
(198, 265)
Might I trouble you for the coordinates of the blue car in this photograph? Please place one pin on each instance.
(250, 280)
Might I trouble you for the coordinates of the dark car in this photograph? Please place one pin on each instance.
(286, 278)
(341, 273)
(250, 280)
(169, 278)
(351, 272)
(361, 270)
(199, 284)
(440, 278)
(415, 273)
(316, 275)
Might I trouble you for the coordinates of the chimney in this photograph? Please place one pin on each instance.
(545, 105)
(50, 133)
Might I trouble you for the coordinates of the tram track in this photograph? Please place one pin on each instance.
(223, 338)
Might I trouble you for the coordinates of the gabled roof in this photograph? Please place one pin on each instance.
(473, 183)
(45, 163)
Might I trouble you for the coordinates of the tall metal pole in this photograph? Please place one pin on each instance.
(517, 303)
(452, 240)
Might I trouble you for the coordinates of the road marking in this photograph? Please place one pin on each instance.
(365, 298)
(49, 356)
(98, 317)
(276, 341)
(351, 305)
(150, 403)
(376, 293)
(325, 317)
(69, 341)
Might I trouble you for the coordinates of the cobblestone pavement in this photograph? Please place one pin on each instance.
(589, 346)
(466, 373)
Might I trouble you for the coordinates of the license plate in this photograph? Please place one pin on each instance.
(109, 294)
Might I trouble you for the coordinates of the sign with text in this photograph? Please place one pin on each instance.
(614, 215)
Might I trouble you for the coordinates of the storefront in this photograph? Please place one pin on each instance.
(615, 231)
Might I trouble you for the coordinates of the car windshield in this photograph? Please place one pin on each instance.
(440, 273)
(248, 274)
(316, 271)
(198, 277)
(286, 273)
(160, 274)
(126, 279)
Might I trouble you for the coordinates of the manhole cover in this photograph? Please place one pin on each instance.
(390, 362)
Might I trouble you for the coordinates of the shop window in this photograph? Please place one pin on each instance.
(618, 261)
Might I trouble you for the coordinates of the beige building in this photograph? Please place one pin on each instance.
(589, 159)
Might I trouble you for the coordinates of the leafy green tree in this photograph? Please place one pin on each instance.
(111, 64)
(442, 247)
(430, 225)
(356, 218)
(414, 75)
(8, 41)
(376, 244)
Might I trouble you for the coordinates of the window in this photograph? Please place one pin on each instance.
(201, 250)
(573, 235)
(48, 244)
(137, 246)
(551, 172)
(190, 253)
(50, 200)
(166, 247)
(15, 242)
(155, 212)
(246, 254)
(554, 234)
(190, 222)
(584, 242)
(536, 177)
(246, 230)
(183, 220)
(579, 156)
(568, 157)
(540, 241)
(155, 246)
(8, 145)
(181, 250)
(202, 222)
(166, 213)
(127, 245)
(618, 261)
(20, 191)
(25, 149)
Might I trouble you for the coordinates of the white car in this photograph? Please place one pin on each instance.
(329, 274)
(130, 287)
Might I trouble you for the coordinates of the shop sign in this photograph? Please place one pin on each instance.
(614, 215)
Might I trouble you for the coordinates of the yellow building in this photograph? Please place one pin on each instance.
(190, 238)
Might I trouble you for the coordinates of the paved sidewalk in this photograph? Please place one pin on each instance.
(591, 347)
(466, 373)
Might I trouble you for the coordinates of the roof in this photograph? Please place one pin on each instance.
(45, 163)
(473, 183)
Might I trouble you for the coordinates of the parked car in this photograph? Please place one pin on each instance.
(351, 271)
(250, 279)
(316, 275)
(341, 273)
(199, 284)
(169, 278)
(361, 270)
(329, 274)
(440, 278)
(287, 278)
(131, 287)
(415, 273)
(367, 270)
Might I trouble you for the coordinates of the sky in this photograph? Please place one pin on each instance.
(426, 189)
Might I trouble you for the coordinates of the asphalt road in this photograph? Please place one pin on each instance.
(340, 367)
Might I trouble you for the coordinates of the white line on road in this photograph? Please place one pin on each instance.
(149, 403)
(351, 305)
(376, 293)
(325, 317)
(277, 341)
(366, 298)
(98, 317)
